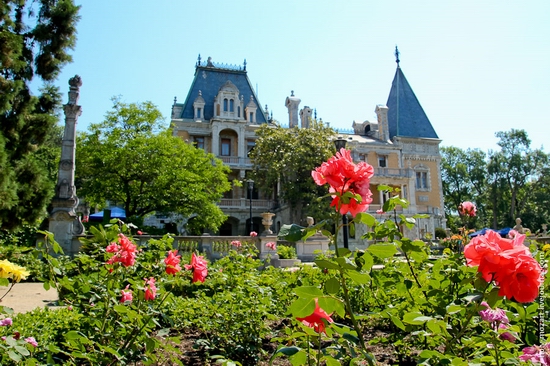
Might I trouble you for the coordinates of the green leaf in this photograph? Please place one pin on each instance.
(299, 359)
(73, 334)
(14, 356)
(358, 277)
(330, 361)
(415, 318)
(323, 263)
(397, 322)
(308, 292)
(120, 308)
(493, 297)
(365, 218)
(4, 282)
(22, 350)
(292, 233)
(332, 305)
(332, 286)
(287, 351)
(352, 338)
(453, 309)
(163, 332)
(382, 251)
(302, 307)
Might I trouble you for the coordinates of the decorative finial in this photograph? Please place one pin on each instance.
(175, 100)
(199, 60)
(396, 55)
(315, 113)
(244, 63)
(292, 93)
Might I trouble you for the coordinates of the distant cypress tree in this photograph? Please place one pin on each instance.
(34, 39)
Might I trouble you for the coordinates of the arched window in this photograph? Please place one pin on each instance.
(225, 105)
(231, 105)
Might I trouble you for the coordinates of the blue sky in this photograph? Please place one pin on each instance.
(477, 67)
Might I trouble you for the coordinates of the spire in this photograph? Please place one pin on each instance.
(396, 56)
(405, 115)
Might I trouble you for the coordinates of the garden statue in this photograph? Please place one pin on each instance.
(310, 221)
(519, 228)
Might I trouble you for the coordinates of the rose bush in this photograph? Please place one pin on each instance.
(483, 305)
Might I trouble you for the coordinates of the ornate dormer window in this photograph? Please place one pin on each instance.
(250, 110)
(227, 103)
(198, 107)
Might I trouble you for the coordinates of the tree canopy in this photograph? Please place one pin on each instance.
(130, 159)
(285, 157)
(35, 37)
(504, 184)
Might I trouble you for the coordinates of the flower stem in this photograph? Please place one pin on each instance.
(7, 292)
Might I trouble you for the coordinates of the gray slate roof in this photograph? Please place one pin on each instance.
(405, 115)
(209, 80)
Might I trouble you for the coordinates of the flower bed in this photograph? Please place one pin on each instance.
(127, 304)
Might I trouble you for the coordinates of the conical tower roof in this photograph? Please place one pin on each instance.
(405, 115)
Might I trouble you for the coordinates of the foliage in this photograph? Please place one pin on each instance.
(504, 184)
(440, 233)
(146, 169)
(286, 252)
(35, 37)
(286, 156)
(422, 309)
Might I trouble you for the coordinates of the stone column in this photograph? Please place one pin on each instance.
(64, 223)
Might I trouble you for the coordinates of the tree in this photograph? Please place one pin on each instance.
(131, 159)
(511, 169)
(34, 39)
(464, 177)
(505, 184)
(285, 157)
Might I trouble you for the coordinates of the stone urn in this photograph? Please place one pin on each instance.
(267, 221)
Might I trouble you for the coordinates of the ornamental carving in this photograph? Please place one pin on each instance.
(66, 164)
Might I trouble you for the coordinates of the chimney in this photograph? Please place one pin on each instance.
(292, 104)
(383, 128)
(305, 116)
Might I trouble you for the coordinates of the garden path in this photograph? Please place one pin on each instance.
(27, 296)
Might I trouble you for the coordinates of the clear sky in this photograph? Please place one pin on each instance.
(476, 67)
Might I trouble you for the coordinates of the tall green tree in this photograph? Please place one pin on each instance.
(504, 184)
(35, 37)
(283, 159)
(464, 177)
(131, 159)
(512, 169)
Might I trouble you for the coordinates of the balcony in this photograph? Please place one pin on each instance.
(244, 203)
(235, 161)
(393, 172)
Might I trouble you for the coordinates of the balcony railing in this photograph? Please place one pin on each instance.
(235, 161)
(245, 203)
(393, 172)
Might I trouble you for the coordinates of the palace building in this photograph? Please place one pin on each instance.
(221, 114)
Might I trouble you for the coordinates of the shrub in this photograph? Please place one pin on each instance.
(286, 252)
(440, 233)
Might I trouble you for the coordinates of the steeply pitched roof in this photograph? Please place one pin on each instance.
(209, 79)
(405, 115)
